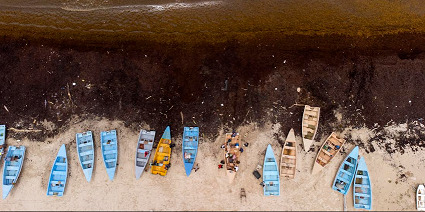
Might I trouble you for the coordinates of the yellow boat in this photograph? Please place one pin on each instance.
(161, 160)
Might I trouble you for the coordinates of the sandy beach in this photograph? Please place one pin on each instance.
(394, 177)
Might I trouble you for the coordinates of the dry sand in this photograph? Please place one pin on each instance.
(206, 189)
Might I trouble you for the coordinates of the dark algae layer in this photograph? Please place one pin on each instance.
(200, 67)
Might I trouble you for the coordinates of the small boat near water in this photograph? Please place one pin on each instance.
(270, 174)
(58, 174)
(327, 151)
(362, 188)
(190, 147)
(420, 198)
(109, 147)
(345, 175)
(85, 150)
(310, 124)
(288, 159)
(12, 167)
(232, 154)
(161, 160)
(144, 150)
(2, 139)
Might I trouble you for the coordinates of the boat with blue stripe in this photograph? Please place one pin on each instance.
(144, 150)
(362, 188)
(190, 147)
(271, 174)
(346, 172)
(58, 175)
(12, 168)
(85, 150)
(2, 139)
(109, 146)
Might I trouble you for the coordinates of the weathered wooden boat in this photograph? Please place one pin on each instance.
(161, 160)
(270, 174)
(2, 139)
(288, 159)
(144, 150)
(362, 188)
(345, 175)
(310, 124)
(327, 151)
(232, 154)
(85, 150)
(420, 198)
(12, 167)
(58, 174)
(109, 147)
(190, 147)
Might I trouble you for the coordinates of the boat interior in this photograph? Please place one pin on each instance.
(362, 195)
(310, 121)
(331, 146)
(232, 151)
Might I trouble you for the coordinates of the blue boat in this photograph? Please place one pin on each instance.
(346, 171)
(12, 168)
(2, 139)
(85, 151)
(58, 175)
(190, 147)
(109, 148)
(270, 174)
(362, 188)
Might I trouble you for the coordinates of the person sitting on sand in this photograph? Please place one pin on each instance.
(220, 166)
(246, 144)
(196, 167)
(223, 146)
(241, 149)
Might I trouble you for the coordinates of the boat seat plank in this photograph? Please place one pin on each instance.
(85, 144)
(141, 159)
(60, 164)
(110, 160)
(107, 152)
(110, 143)
(289, 156)
(87, 162)
(346, 172)
(90, 152)
(362, 185)
(361, 195)
(9, 177)
(59, 172)
(350, 164)
(12, 168)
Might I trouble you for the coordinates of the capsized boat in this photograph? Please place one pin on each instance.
(362, 188)
(327, 151)
(109, 146)
(190, 147)
(270, 174)
(144, 150)
(12, 167)
(310, 124)
(420, 198)
(2, 139)
(345, 175)
(288, 159)
(58, 174)
(232, 154)
(85, 150)
(162, 157)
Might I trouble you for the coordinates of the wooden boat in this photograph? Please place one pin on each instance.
(310, 124)
(58, 175)
(270, 174)
(2, 139)
(232, 154)
(85, 150)
(362, 188)
(12, 167)
(327, 151)
(288, 159)
(109, 147)
(345, 175)
(420, 198)
(144, 150)
(190, 147)
(162, 157)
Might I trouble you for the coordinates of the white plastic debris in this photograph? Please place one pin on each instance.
(222, 105)
(298, 89)
(74, 84)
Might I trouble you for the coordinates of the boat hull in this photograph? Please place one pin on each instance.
(288, 159)
(271, 174)
(58, 174)
(13, 163)
(310, 125)
(345, 175)
(231, 155)
(143, 151)
(85, 150)
(2, 139)
(162, 157)
(329, 149)
(362, 187)
(109, 147)
(190, 147)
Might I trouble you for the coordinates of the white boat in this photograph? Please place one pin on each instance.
(144, 150)
(310, 123)
(288, 159)
(420, 198)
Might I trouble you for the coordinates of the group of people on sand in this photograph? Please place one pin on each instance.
(231, 157)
